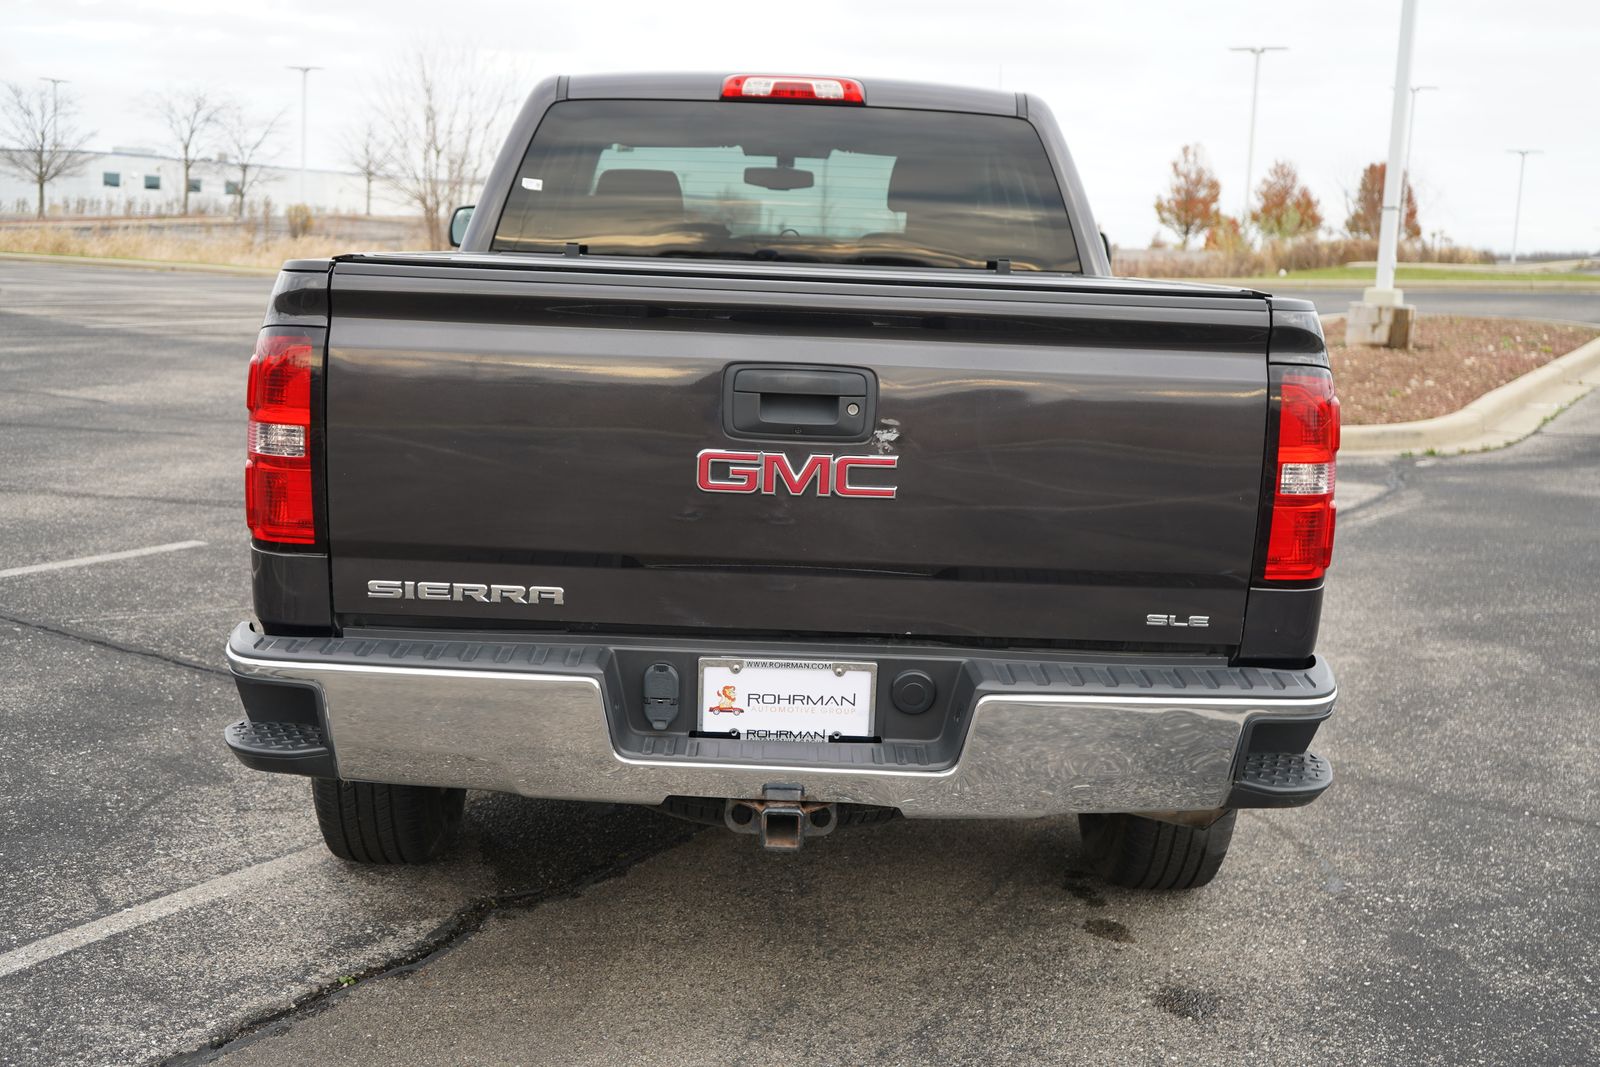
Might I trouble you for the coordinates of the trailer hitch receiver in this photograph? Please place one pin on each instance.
(781, 818)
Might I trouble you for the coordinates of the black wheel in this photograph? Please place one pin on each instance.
(1140, 853)
(363, 822)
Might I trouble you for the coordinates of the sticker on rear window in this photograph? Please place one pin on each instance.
(533, 184)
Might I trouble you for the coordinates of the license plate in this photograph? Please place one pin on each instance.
(787, 699)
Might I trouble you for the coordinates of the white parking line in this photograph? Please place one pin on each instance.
(84, 561)
(47, 948)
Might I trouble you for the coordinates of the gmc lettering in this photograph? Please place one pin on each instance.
(773, 472)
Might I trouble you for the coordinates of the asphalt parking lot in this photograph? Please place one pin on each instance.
(164, 904)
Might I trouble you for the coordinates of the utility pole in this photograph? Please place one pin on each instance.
(1255, 95)
(1382, 318)
(305, 77)
(1411, 130)
(1522, 166)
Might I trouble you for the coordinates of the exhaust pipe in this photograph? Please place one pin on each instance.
(780, 819)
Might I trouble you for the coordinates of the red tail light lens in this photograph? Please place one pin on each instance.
(1300, 542)
(793, 87)
(277, 470)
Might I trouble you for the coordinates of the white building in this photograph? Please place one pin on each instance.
(138, 181)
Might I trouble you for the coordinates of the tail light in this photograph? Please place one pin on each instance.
(1300, 541)
(277, 471)
(793, 87)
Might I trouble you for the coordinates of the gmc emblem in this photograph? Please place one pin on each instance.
(771, 472)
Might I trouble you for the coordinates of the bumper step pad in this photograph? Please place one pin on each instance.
(285, 747)
(1280, 780)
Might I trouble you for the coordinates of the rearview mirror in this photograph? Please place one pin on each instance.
(782, 178)
(458, 224)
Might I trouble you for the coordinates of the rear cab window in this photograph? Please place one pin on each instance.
(788, 183)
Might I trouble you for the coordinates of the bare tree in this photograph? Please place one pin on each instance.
(437, 114)
(246, 142)
(366, 152)
(44, 143)
(192, 117)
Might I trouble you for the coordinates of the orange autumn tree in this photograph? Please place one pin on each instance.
(1190, 206)
(1225, 235)
(1286, 208)
(1366, 209)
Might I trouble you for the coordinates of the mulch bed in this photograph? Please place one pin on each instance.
(1452, 361)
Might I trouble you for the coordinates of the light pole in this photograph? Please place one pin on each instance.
(1399, 124)
(55, 104)
(1255, 93)
(305, 77)
(55, 124)
(1382, 317)
(1411, 131)
(1522, 166)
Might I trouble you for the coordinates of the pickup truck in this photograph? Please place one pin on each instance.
(781, 452)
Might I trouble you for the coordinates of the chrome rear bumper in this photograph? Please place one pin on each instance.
(408, 715)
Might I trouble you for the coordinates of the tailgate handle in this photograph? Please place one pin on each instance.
(769, 401)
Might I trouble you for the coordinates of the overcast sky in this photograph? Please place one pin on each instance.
(1130, 81)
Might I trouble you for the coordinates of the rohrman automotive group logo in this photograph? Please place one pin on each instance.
(724, 705)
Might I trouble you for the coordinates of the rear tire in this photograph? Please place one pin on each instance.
(1140, 853)
(366, 822)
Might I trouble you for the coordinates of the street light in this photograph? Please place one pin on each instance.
(305, 76)
(1411, 131)
(1382, 317)
(1255, 92)
(55, 104)
(1399, 122)
(1522, 166)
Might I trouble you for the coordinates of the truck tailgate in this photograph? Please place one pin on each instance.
(1070, 459)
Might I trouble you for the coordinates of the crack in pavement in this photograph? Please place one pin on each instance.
(1332, 883)
(115, 646)
(1394, 481)
(135, 497)
(124, 430)
(54, 393)
(446, 937)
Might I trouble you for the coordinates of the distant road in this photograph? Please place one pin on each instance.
(1574, 305)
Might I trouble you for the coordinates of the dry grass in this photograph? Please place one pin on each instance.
(1452, 361)
(1306, 253)
(229, 244)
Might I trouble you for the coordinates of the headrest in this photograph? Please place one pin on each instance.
(922, 184)
(659, 189)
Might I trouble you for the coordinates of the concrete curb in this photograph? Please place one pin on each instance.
(1495, 419)
(138, 264)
